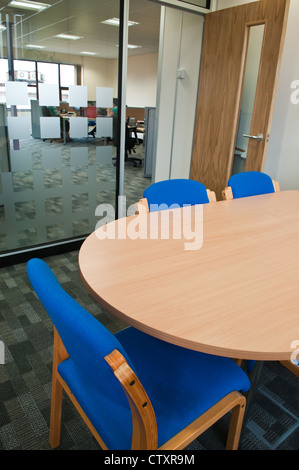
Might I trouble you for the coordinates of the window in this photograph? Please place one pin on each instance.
(34, 73)
(48, 73)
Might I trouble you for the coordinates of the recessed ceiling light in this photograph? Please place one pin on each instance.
(115, 22)
(88, 53)
(34, 46)
(68, 36)
(28, 5)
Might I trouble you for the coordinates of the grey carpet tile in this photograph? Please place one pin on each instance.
(25, 378)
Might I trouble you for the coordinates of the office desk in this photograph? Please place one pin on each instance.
(237, 296)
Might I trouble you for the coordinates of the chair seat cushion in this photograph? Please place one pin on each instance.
(192, 381)
(182, 384)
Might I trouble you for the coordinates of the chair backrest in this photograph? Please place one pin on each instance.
(91, 112)
(86, 340)
(175, 192)
(250, 183)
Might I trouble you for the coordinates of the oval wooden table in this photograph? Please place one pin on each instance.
(236, 296)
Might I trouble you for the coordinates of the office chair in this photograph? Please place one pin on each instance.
(175, 192)
(249, 183)
(130, 143)
(130, 147)
(134, 391)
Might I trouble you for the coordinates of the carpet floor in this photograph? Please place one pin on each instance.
(25, 376)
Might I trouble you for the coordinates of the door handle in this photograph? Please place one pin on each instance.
(258, 137)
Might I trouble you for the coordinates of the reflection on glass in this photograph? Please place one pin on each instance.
(255, 41)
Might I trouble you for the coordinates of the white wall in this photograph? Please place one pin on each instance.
(142, 72)
(283, 154)
(180, 48)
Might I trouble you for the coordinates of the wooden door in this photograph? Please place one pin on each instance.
(224, 50)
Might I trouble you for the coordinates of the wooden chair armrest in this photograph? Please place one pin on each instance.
(276, 186)
(211, 195)
(142, 206)
(145, 433)
(227, 193)
(291, 366)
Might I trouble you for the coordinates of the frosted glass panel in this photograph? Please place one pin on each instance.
(51, 158)
(104, 127)
(18, 127)
(104, 97)
(21, 160)
(16, 93)
(48, 94)
(79, 156)
(78, 96)
(104, 155)
(56, 170)
(50, 127)
(78, 127)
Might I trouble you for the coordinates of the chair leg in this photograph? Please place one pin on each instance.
(235, 426)
(59, 355)
(56, 408)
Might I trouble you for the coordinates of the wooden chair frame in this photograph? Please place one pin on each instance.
(291, 366)
(142, 206)
(145, 433)
(227, 193)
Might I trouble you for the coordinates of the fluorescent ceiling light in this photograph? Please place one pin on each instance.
(68, 36)
(88, 53)
(34, 46)
(115, 22)
(28, 5)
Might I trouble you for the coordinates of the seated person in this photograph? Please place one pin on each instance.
(55, 113)
(113, 112)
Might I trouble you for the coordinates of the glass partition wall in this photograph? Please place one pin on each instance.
(74, 78)
(58, 79)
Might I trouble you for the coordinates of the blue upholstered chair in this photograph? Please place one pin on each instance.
(249, 183)
(173, 193)
(134, 391)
